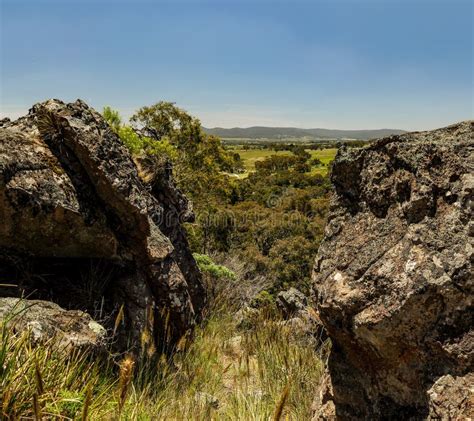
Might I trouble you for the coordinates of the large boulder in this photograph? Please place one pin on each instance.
(393, 278)
(70, 190)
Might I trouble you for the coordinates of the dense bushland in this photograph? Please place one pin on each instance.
(271, 220)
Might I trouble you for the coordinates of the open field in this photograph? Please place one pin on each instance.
(324, 155)
(250, 156)
(237, 141)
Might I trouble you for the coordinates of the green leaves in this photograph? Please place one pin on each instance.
(196, 151)
(113, 118)
(136, 143)
(207, 266)
(140, 144)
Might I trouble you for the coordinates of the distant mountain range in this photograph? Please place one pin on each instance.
(260, 132)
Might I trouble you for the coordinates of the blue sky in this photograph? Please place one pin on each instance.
(349, 64)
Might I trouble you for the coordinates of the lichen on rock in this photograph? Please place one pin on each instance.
(393, 277)
(48, 323)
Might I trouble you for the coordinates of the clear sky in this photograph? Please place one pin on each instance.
(349, 64)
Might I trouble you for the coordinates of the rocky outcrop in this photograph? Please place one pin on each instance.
(70, 190)
(393, 279)
(291, 302)
(47, 322)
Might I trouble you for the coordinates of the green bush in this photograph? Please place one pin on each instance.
(263, 299)
(208, 266)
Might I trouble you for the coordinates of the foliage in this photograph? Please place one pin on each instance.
(141, 144)
(136, 143)
(290, 258)
(252, 153)
(316, 162)
(208, 266)
(200, 161)
(197, 151)
(113, 118)
(263, 299)
(274, 221)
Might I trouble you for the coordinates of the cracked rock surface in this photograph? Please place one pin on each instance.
(393, 278)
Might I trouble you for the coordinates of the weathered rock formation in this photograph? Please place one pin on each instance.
(70, 192)
(46, 322)
(393, 279)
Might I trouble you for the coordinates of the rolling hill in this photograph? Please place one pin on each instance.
(261, 132)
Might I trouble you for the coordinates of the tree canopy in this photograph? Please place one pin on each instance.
(169, 133)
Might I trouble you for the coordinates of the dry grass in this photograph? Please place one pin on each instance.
(263, 373)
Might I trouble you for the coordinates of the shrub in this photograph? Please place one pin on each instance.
(207, 266)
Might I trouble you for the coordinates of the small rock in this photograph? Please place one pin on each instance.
(291, 301)
(245, 317)
(452, 398)
(68, 329)
(206, 399)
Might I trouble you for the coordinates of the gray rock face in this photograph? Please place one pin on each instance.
(393, 277)
(47, 322)
(300, 317)
(291, 302)
(69, 189)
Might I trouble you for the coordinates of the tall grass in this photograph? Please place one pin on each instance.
(263, 373)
